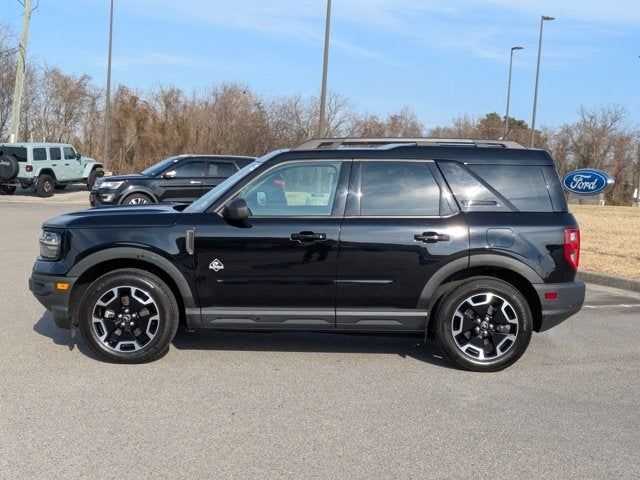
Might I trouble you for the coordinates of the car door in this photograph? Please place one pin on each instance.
(182, 183)
(400, 227)
(278, 269)
(217, 171)
(62, 169)
(71, 160)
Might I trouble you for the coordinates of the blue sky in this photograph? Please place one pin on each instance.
(442, 58)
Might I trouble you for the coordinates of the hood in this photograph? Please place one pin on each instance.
(142, 216)
(120, 178)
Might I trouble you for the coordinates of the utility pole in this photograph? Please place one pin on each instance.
(19, 85)
(107, 107)
(322, 128)
(543, 18)
(506, 117)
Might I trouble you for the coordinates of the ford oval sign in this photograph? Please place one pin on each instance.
(587, 181)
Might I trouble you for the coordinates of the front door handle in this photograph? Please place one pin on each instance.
(431, 237)
(195, 182)
(308, 237)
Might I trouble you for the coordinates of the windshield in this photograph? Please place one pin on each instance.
(203, 202)
(159, 167)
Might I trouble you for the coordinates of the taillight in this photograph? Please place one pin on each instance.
(572, 246)
(28, 168)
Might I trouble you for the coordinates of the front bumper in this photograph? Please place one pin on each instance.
(569, 300)
(98, 198)
(56, 301)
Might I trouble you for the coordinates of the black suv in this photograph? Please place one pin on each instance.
(179, 179)
(469, 242)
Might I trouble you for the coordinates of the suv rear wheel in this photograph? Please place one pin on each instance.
(45, 185)
(128, 316)
(484, 324)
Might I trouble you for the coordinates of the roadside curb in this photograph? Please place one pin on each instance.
(614, 281)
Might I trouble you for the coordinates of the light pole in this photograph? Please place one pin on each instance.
(322, 127)
(107, 109)
(506, 117)
(543, 19)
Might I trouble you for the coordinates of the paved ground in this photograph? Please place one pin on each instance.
(298, 406)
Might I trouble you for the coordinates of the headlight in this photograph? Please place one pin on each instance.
(50, 245)
(108, 185)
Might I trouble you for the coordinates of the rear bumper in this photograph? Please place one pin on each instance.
(44, 289)
(569, 300)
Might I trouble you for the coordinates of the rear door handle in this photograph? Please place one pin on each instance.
(431, 237)
(195, 182)
(308, 237)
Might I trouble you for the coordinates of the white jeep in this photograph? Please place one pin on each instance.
(46, 166)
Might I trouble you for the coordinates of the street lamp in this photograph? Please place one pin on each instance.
(322, 127)
(506, 121)
(543, 19)
(107, 111)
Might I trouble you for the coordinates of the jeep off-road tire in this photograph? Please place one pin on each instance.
(45, 186)
(9, 167)
(128, 316)
(484, 324)
(93, 176)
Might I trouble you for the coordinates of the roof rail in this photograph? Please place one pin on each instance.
(337, 143)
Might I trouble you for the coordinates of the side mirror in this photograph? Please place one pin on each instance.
(236, 210)
(78, 156)
(170, 174)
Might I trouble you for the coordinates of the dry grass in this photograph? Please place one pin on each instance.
(610, 239)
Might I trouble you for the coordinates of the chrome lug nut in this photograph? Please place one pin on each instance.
(477, 329)
(131, 324)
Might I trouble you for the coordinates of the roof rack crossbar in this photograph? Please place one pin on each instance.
(336, 143)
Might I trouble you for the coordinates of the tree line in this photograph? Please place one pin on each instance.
(230, 118)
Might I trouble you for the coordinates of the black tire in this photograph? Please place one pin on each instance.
(9, 167)
(45, 186)
(93, 176)
(137, 199)
(7, 189)
(128, 283)
(60, 187)
(471, 350)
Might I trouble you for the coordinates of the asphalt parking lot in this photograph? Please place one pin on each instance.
(277, 405)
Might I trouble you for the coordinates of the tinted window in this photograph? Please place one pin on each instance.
(19, 152)
(160, 167)
(54, 154)
(39, 153)
(219, 169)
(188, 170)
(471, 194)
(294, 190)
(69, 153)
(524, 186)
(398, 189)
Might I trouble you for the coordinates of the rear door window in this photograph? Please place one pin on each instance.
(54, 154)
(39, 154)
(398, 189)
(221, 169)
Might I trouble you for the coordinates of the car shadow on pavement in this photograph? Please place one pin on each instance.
(60, 336)
(402, 345)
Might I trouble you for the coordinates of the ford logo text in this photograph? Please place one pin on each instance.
(587, 181)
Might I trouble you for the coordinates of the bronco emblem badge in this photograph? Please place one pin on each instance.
(216, 265)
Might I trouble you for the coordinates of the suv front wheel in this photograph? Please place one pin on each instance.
(484, 324)
(128, 316)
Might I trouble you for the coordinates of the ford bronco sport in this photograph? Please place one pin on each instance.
(46, 166)
(469, 242)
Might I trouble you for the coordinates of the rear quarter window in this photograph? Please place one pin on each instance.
(523, 185)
